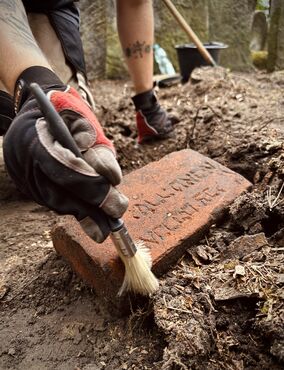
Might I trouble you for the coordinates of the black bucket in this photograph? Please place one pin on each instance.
(189, 57)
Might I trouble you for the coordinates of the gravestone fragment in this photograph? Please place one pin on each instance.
(230, 22)
(93, 30)
(173, 202)
(259, 31)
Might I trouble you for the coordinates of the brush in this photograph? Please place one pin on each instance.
(137, 259)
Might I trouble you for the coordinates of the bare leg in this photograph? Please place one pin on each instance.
(50, 45)
(2, 87)
(136, 32)
(18, 48)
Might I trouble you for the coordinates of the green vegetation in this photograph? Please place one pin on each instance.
(262, 5)
(259, 59)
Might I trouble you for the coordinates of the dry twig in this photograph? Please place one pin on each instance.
(275, 202)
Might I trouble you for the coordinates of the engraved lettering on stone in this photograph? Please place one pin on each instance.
(219, 190)
(169, 224)
(152, 236)
(205, 196)
(166, 194)
(183, 212)
(142, 209)
(184, 182)
(188, 209)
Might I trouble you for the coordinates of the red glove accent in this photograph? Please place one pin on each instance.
(71, 100)
(143, 128)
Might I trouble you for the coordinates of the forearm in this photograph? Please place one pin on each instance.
(136, 32)
(18, 48)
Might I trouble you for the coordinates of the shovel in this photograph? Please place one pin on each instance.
(190, 33)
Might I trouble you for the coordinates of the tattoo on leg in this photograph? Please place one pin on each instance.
(137, 50)
(13, 15)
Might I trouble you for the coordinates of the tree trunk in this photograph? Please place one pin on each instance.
(94, 33)
(230, 22)
(276, 36)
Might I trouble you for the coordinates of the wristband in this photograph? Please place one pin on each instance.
(42, 75)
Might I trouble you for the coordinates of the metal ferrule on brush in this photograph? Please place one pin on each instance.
(123, 242)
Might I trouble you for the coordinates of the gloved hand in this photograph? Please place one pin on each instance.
(6, 111)
(52, 175)
(152, 120)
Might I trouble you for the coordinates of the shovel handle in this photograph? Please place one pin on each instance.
(191, 34)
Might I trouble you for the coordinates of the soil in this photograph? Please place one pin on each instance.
(221, 306)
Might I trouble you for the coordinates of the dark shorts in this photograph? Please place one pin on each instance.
(65, 19)
(41, 6)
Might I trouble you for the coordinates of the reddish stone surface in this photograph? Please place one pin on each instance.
(173, 202)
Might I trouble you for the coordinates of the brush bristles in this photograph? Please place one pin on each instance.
(138, 276)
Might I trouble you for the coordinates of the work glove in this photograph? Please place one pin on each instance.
(6, 111)
(51, 174)
(152, 120)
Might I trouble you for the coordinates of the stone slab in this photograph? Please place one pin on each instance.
(173, 202)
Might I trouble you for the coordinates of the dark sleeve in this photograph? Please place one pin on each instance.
(41, 6)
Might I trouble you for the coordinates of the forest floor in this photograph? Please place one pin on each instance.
(221, 306)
